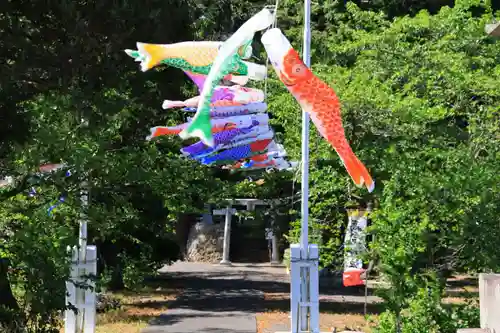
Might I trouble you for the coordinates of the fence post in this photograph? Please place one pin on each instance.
(79, 268)
(90, 298)
(295, 270)
(69, 314)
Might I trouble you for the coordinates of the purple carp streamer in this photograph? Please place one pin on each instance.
(219, 138)
(262, 133)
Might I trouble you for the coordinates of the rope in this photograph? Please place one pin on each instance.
(274, 25)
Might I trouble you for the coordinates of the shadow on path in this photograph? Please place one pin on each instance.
(244, 292)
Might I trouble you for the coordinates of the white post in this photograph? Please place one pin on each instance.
(82, 243)
(227, 237)
(88, 307)
(275, 260)
(295, 284)
(274, 250)
(69, 315)
(314, 288)
(90, 297)
(489, 299)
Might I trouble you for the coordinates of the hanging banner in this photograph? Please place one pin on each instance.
(355, 245)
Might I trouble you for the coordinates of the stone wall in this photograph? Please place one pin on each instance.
(205, 243)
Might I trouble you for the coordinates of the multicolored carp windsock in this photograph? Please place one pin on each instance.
(226, 62)
(355, 245)
(230, 111)
(222, 95)
(219, 138)
(257, 133)
(174, 130)
(264, 161)
(278, 163)
(261, 158)
(273, 150)
(218, 125)
(241, 121)
(238, 153)
(240, 140)
(316, 98)
(196, 57)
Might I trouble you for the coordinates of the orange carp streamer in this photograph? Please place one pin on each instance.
(317, 99)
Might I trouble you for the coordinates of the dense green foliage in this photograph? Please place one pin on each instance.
(70, 94)
(420, 97)
(421, 108)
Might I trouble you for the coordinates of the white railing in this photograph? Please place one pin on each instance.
(80, 291)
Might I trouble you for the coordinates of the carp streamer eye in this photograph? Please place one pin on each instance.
(298, 69)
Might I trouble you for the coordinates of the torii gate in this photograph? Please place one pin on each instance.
(228, 212)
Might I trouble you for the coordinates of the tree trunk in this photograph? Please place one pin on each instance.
(7, 299)
(9, 308)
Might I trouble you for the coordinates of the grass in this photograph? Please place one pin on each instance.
(272, 321)
(335, 316)
(337, 312)
(344, 315)
(137, 309)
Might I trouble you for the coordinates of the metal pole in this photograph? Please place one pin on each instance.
(304, 242)
(305, 133)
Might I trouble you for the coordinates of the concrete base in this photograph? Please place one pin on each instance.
(276, 263)
(225, 263)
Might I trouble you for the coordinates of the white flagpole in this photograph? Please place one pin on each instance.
(304, 241)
